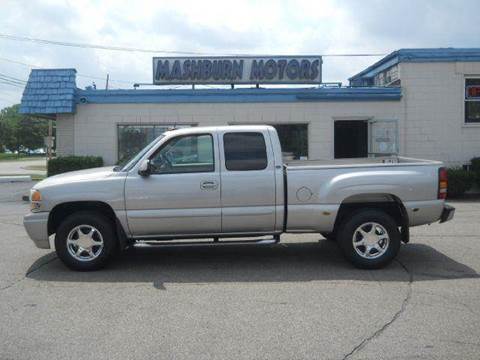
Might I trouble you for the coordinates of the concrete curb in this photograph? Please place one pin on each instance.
(16, 178)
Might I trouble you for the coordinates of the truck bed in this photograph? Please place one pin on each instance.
(316, 189)
(359, 162)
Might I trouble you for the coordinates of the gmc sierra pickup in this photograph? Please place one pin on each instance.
(231, 182)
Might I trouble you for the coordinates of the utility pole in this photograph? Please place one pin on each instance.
(106, 83)
(50, 139)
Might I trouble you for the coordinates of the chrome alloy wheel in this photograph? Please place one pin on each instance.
(370, 240)
(84, 243)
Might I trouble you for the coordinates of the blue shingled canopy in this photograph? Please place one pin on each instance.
(415, 56)
(49, 91)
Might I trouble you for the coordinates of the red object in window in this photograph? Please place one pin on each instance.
(473, 91)
(442, 183)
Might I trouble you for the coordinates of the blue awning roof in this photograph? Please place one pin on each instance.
(49, 91)
(419, 55)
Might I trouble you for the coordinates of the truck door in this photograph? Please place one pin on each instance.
(248, 182)
(182, 194)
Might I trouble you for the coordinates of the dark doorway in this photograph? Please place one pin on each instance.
(351, 139)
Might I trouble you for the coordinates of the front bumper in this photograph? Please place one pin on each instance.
(36, 225)
(447, 213)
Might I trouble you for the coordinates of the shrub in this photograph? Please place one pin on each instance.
(475, 164)
(64, 164)
(459, 181)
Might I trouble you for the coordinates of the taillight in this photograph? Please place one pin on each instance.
(442, 183)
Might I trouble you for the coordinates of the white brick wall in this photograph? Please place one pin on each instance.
(433, 96)
(95, 125)
(65, 134)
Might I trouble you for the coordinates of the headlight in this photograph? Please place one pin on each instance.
(35, 200)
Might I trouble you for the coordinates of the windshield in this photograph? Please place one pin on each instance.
(131, 162)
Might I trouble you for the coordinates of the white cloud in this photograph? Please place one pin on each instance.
(219, 27)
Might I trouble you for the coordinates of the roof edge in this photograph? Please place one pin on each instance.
(448, 54)
(237, 95)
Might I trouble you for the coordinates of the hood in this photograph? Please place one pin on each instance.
(78, 176)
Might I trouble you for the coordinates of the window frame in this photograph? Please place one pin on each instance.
(244, 132)
(465, 101)
(186, 172)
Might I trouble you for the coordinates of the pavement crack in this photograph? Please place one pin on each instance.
(12, 284)
(402, 309)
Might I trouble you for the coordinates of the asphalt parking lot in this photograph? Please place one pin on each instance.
(295, 300)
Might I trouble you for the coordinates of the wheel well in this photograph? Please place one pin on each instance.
(61, 211)
(388, 203)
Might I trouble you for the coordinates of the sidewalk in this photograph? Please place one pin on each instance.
(23, 167)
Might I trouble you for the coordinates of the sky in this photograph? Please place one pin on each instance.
(297, 27)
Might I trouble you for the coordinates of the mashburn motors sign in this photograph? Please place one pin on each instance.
(238, 70)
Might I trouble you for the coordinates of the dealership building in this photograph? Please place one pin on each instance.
(421, 103)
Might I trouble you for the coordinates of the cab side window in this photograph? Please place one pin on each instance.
(184, 154)
(245, 151)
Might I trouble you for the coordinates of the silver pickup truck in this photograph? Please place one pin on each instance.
(222, 183)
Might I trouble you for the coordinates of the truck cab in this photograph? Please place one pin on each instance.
(220, 181)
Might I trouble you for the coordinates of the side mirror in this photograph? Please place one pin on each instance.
(144, 168)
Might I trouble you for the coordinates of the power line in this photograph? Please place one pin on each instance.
(10, 83)
(13, 79)
(91, 46)
(133, 49)
(81, 75)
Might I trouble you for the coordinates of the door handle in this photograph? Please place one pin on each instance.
(208, 185)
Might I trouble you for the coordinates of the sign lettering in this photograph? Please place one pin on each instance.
(236, 70)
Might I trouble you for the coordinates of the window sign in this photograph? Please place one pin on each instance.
(473, 92)
(472, 100)
(383, 137)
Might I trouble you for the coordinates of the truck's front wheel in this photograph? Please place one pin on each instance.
(369, 239)
(85, 241)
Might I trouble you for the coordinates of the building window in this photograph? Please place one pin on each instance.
(472, 100)
(294, 140)
(133, 138)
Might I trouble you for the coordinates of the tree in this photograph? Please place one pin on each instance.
(21, 132)
(31, 132)
(9, 118)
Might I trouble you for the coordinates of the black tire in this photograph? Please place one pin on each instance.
(329, 236)
(102, 224)
(347, 230)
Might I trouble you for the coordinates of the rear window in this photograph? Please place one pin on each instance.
(245, 151)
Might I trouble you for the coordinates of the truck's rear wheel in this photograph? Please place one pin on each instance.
(369, 239)
(85, 241)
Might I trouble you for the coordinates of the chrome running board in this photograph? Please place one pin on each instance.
(215, 242)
